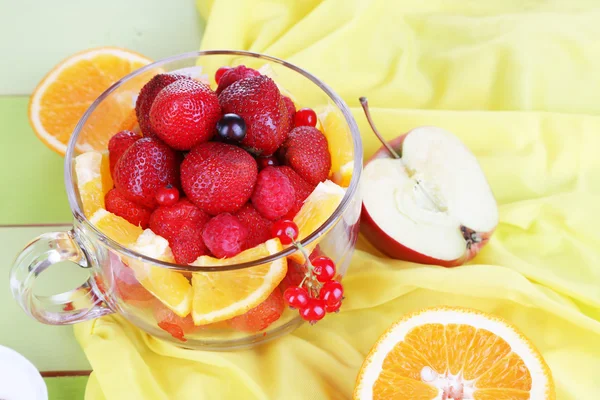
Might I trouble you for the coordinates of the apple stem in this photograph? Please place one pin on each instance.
(365, 105)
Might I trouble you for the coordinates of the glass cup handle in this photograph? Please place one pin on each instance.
(77, 305)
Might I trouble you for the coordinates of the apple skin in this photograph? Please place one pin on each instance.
(392, 248)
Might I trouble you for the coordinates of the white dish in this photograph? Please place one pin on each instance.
(19, 378)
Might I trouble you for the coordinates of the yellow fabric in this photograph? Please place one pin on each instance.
(519, 82)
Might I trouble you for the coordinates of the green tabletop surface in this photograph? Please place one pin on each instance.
(33, 198)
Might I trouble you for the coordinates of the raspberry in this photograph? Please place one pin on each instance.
(259, 228)
(232, 75)
(261, 316)
(274, 194)
(116, 203)
(224, 235)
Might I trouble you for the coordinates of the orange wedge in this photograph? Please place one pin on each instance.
(317, 208)
(454, 353)
(93, 180)
(168, 286)
(339, 141)
(219, 296)
(62, 97)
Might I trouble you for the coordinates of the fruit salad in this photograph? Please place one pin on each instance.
(215, 177)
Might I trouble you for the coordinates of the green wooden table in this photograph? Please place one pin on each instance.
(33, 199)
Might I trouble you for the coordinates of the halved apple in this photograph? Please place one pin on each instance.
(433, 205)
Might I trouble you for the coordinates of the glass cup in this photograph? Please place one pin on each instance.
(112, 287)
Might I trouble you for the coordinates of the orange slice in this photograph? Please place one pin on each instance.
(451, 352)
(317, 208)
(219, 296)
(339, 141)
(93, 180)
(168, 286)
(62, 97)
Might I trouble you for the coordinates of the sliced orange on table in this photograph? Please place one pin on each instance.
(168, 286)
(317, 208)
(454, 353)
(63, 96)
(219, 296)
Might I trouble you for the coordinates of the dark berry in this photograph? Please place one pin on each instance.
(324, 268)
(285, 230)
(305, 117)
(231, 127)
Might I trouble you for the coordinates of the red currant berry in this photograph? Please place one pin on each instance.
(333, 308)
(285, 230)
(264, 162)
(305, 117)
(220, 73)
(296, 297)
(324, 268)
(314, 310)
(332, 293)
(167, 196)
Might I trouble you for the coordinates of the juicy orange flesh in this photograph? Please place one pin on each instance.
(65, 100)
(477, 354)
(119, 229)
(339, 141)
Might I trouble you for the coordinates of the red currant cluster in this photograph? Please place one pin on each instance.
(318, 293)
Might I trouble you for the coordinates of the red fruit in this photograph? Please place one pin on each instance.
(264, 162)
(324, 268)
(306, 151)
(218, 177)
(274, 194)
(294, 275)
(220, 73)
(225, 235)
(145, 167)
(167, 196)
(261, 316)
(232, 75)
(259, 228)
(116, 203)
(118, 144)
(285, 230)
(301, 188)
(333, 307)
(332, 293)
(258, 101)
(147, 96)
(185, 114)
(128, 287)
(305, 117)
(314, 311)
(181, 224)
(291, 109)
(296, 297)
(174, 324)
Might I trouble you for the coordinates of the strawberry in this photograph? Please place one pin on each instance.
(294, 275)
(146, 166)
(235, 74)
(307, 152)
(224, 235)
(258, 101)
(172, 323)
(147, 96)
(261, 316)
(274, 195)
(259, 228)
(291, 109)
(218, 177)
(116, 203)
(181, 224)
(118, 144)
(301, 189)
(185, 113)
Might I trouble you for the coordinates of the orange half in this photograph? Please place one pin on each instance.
(66, 92)
(454, 353)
